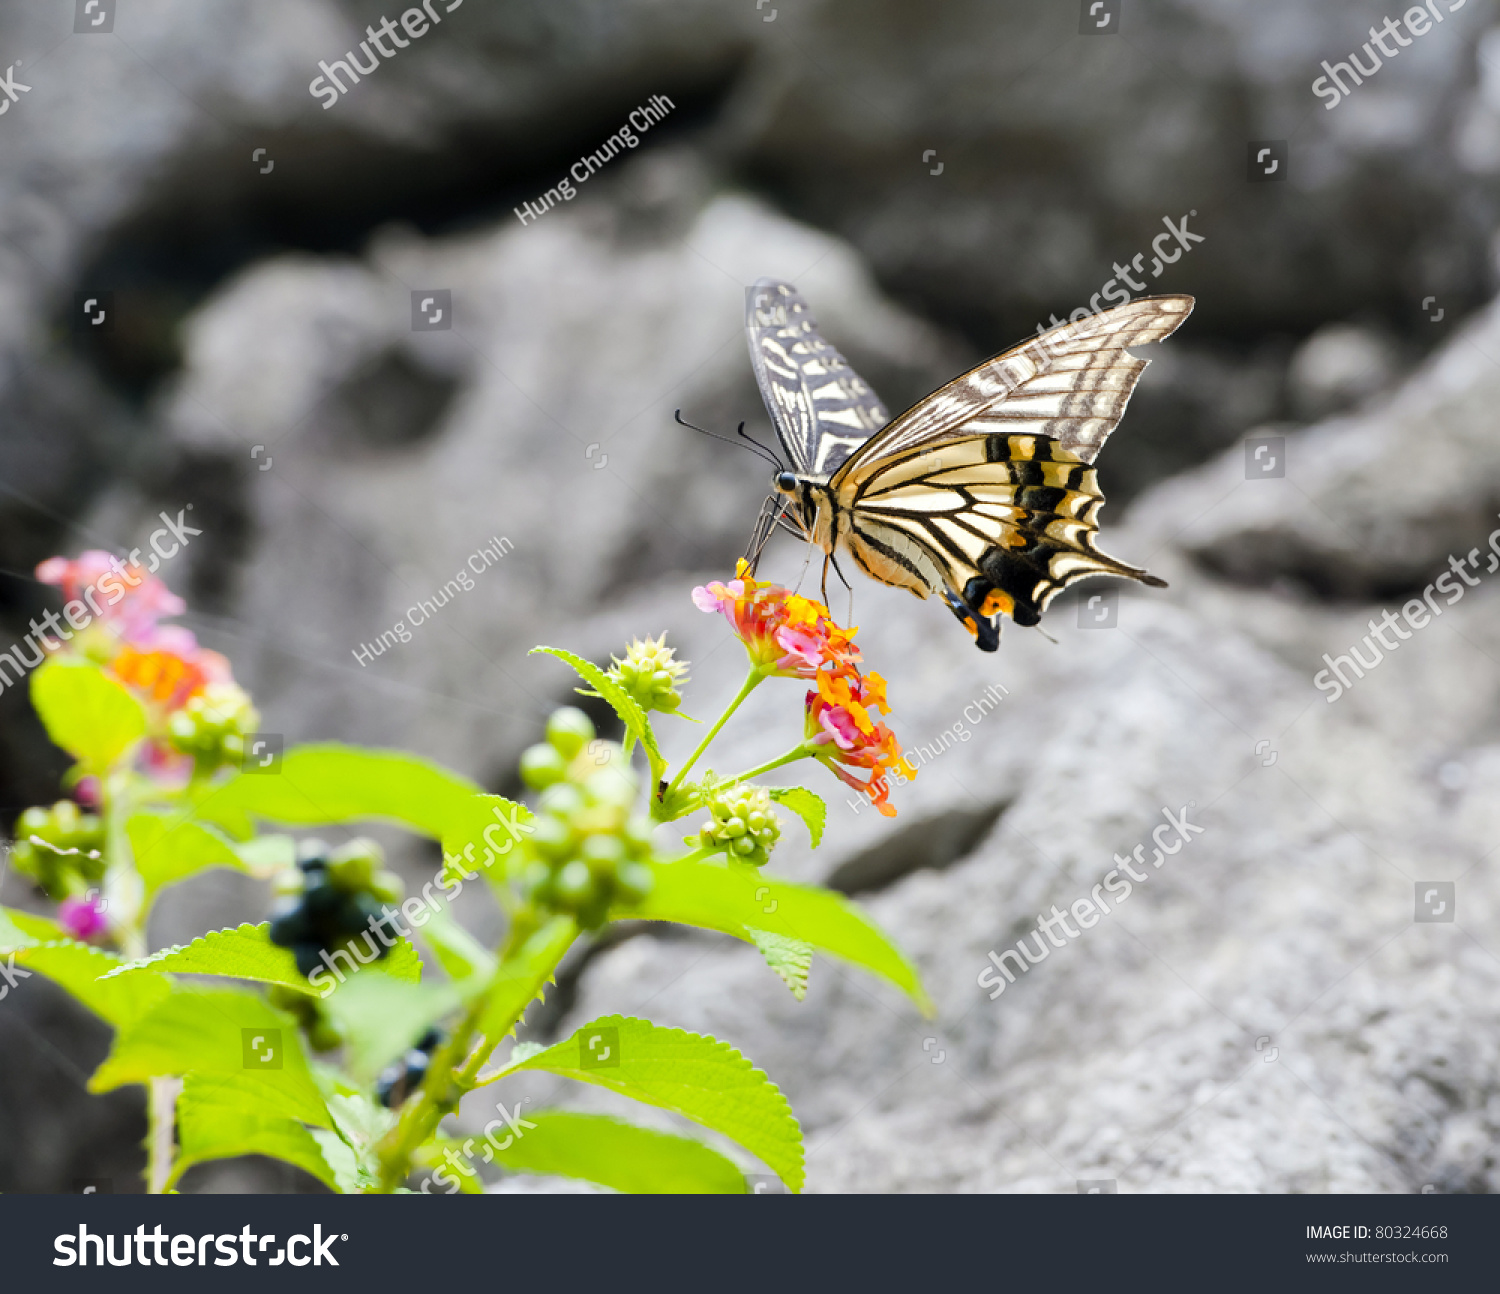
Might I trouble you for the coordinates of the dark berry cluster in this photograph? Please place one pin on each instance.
(586, 850)
(331, 900)
(65, 827)
(401, 1078)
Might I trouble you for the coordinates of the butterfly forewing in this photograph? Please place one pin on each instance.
(821, 408)
(1070, 384)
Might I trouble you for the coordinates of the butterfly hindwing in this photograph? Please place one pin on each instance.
(821, 408)
(999, 524)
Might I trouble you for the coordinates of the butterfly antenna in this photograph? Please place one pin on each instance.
(754, 445)
(768, 453)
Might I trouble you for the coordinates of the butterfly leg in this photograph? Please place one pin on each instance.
(838, 570)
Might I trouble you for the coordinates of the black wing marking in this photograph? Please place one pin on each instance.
(1070, 384)
(821, 408)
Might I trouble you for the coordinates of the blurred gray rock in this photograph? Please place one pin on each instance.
(1370, 504)
(1338, 366)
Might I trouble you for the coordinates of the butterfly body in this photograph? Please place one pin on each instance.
(983, 492)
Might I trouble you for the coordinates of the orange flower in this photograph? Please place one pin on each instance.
(172, 673)
(786, 636)
(840, 723)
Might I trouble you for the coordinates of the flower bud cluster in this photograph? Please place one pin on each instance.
(586, 851)
(651, 673)
(212, 726)
(64, 827)
(741, 823)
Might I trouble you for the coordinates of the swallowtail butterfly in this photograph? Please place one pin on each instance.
(983, 492)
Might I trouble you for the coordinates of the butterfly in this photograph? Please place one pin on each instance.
(983, 492)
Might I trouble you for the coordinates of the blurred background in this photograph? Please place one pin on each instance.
(939, 180)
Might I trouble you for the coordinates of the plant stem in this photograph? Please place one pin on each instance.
(752, 681)
(446, 1083)
(804, 751)
(161, 1119)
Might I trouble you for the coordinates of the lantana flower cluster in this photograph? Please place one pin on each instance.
(198, 716)
(790, 636)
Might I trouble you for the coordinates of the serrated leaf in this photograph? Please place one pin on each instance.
(209, 1129)
(211, 1033)
(171, 849)
(735, 899)
(23, 929)
(606, 1151)
(329, 783)
(635, 719)
(807, 806)
(89, 714)
(246, 952)
(84, 971)
(477, 835)
(698, 1077)
(789, 958)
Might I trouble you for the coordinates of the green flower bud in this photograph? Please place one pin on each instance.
(569, 730)
(542, 766)
(633, 882)
(602, 854)
(561, 801)
(742, 824)
(553, 839)
(352, 866)
(651, 674)
(574, 885)
(387, 887)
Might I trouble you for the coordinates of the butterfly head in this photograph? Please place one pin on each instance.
(785, 482)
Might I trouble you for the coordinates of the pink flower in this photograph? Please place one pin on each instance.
(123, 595)
(83, 918)
(839, 722)
(786, 635)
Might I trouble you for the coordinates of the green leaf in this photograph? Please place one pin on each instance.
(266, 855)
(702, 1078)
(89, 714)
(210, 1129)
(737, 899)
(477, 834)
(607, 1151)
(23, 929)
(519, 979)
(218, 1032)
(84, 971)
(789, 958)
(170, 849)
(381, 1017)
(246, 952)
(807, 806)
(332, 783)
(458, 952)
(635, 719)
